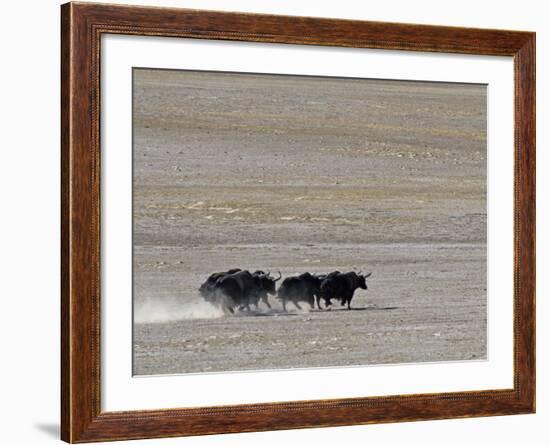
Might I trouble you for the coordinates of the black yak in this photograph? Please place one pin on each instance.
(342, 286)
(265, 286)
(303, 287)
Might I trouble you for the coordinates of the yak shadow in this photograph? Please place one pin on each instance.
(366, 308)
(374, 308)
(276, 314)
(281, 313)
(270, 313)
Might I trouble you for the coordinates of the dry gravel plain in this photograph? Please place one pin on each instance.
(308, 174)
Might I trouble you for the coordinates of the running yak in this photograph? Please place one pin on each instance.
(301, 288)
(265, 286)
(237, 289)
(209, 286)
(342, 286)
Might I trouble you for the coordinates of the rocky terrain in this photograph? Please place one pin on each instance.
(308, 174)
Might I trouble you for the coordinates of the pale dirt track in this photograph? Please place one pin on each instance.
(295, 174)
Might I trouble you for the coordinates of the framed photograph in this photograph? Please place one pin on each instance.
(274, 222)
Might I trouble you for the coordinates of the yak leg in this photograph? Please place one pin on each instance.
(284, 304)
(318, 298)
(297, 305)
(265, 300)
(227, 309)
(244, 306)
(227, 304)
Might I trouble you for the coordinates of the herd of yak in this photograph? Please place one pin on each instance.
(237, 289)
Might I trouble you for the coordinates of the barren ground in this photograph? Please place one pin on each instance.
(308, 174)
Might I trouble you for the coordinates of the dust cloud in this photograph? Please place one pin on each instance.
(151, 310)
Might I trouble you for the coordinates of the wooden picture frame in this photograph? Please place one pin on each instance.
(82, 25)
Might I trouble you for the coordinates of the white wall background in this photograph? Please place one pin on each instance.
(29, 223)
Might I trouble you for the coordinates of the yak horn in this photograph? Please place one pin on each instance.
(280, 276)
(368, 275)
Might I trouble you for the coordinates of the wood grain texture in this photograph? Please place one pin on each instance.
(65, 225)
(81, 28)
